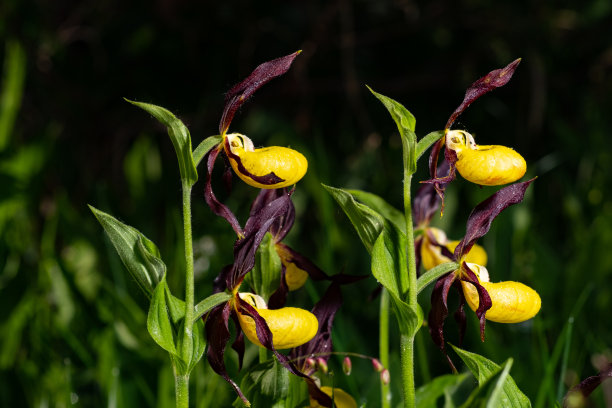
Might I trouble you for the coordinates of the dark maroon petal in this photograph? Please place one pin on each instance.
(589, 384)
(241, 92)
(315, 393)
(492, 80)
(418, 243)
(439, 179)
(484, 299)
(460, 313)
(426, 201)
(268, 179)
(303, 263)
(238, 344)
(217, 336)
(254, 232)
(325, 311)
(215, 205)
(279, 298)
(439, 312)
(280, 228)
(481, 217)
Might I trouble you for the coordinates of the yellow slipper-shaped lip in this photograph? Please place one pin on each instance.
(268, 167)
(341, 398)
(512, 302)
(290, 326)
(431, 255)
(490, 165)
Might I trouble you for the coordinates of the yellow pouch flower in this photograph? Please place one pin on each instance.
(341, 398)
(490, 165)
(290, 326)
(512, 302)
(268, 167)
(294, 276)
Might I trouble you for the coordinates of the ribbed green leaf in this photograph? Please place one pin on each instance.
(204, 146)
(405, 122)
(381, 206)
(427, 141)
(139, 255)
(434, 273)
(483, 369)
(207, 304)
(428, 394)
(367, 222)
(181, 139)
(158, 319)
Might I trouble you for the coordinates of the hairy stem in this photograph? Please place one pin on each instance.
(181, 384)
(407, 341)
(383, 345)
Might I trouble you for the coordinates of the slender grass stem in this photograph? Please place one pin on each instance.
(383, 346)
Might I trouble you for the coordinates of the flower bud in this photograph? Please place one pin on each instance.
(378, 367)
(341, 398)
(347, 365)
(322, 364)
(310, 363)
(286, 165)
(385, 377)
(512, 302)
(491, 165)
(290, 326)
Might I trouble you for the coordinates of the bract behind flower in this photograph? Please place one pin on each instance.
(513, 302)
(268, 167)
(290, 326)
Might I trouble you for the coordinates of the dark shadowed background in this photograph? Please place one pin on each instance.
(72, 321)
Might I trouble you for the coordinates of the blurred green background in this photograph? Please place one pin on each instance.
(72, 322)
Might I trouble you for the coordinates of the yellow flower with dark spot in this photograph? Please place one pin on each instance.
(491, 165)
(268, 167)
(294, 276)
(290, 326)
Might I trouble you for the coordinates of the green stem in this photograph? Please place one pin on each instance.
(182, 379)
(181, 385)
(406, 341)
(383, 345)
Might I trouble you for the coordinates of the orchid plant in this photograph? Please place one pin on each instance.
(399, 242)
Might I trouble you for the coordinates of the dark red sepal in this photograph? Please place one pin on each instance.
(215, 205)
(254, 232)
(281, 227)
(279, 298)
(439, 312)
(484, 299)
(269, 179)
(217, 336)
(459, 314)
(238, 344)
(487, 83)
(444, 174)
(426, 201)
(589, 384)
(481, 217)
(241, 92)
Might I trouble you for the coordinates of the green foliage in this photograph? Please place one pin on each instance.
(503, 393)
(11, 90)
(264, 279)
(181, 139)
(445, 385)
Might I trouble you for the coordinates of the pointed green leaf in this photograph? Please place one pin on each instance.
(265, 277)
(207, 304)
(434, 273)
(181, 139)
(381, 206)
(367, 222)
(483, 369)
(427, 395)
(428, 140)
(265, 384)
(405, 122)
(185, 364)
(489, 394)
(158, 319)
(204, 147)
(390, 268)
(139, 255)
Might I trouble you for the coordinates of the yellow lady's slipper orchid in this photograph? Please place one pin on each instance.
(341, 398)
(485, 165)
(513, 302)
(288, 165)
(294, 276)
(290, 326)
(431, 255)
